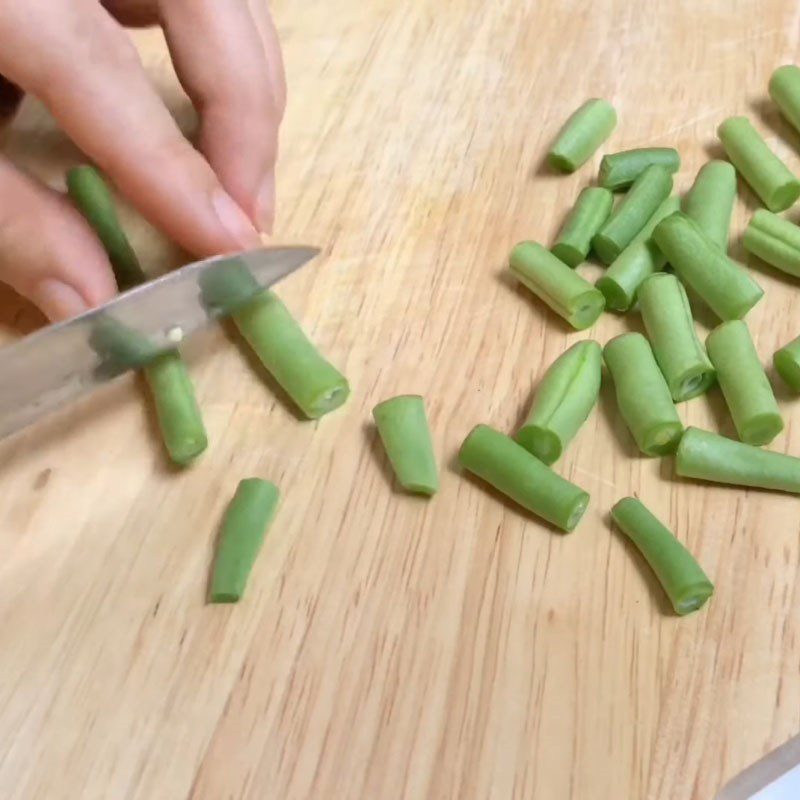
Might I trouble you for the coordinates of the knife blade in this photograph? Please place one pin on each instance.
(774, 777)
(57, 364)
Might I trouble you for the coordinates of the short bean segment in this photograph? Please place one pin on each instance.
(707, 456)
(710, 201)
(784, 89)
(670, 327)
(586, 218)
(619, 170)
(567, 393)
(403, 428)
(512, 470)
(552, 281)
(683, 579)
(723, 285)
(743, 382)
(649, 190)
(787, 364)
(643, 395)
(774, 240)
(585, 130)
(767, 175)
(640, 259)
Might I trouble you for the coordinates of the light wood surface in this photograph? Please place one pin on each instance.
(391, 647)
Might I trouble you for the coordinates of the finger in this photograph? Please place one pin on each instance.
(47, 252)
(221, 62)
(272, 48)
(85, 69)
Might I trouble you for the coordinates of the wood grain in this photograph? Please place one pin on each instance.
(391, 647)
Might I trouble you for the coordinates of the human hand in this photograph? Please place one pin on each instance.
(75, 56)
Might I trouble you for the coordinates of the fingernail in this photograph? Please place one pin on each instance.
(234, 220)
(265, 204)
(57, 300)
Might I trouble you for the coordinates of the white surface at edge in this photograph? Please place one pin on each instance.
(787, 787)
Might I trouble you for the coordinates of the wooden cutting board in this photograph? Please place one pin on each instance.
(391, 647)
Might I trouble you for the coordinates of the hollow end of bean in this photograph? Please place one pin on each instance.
(568, 253)
(761, 429)
(692, 597)
(692, 383)
(577, 512)
(606, 248)
(617, 299)
(662, 439)
(561, 162)
(783, 196)
(225, 597)
(586, 308)
(788, 368)
(540, 442)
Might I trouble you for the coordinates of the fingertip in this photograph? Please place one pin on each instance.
(265, 204)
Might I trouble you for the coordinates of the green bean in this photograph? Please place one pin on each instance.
(313, 383)
(681, 577)
(706, 456)
(586, 218)
(585, 130)
(784, 89)
(620, 170)
(668, 320)
(512, 470)
(774, 240)
(640, 259)
(787, 364)
(567, 393)
(552, 281)
(649, 190)
(743, 382)
(243, 529)
(724, 285)
(710, 201)
(767, 175)
(642, 394)
(403, 428)
(91, 195)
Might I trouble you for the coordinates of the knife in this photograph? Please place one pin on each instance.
(774, 777)
(57, 364)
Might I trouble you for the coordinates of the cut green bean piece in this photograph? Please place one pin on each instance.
(670, 327)
(774, 240)
(313, 383)
(552, 281)
(721, 283)
(567, 393)
(743, 382)
(638, 261)
(586, 218)
(710, 201)
(584, 131)
(767, 175)
(620, 170)
(512, 470)
(707, 456)
(681, 577)
(90, 193)
(642, 394)
(787, 364)
(246, 522)
(403, 428)
(784, 89)
(649, 190)
(179, 416)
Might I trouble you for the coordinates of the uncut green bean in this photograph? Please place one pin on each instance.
(767, 175)
(246, 522)
(668, 320)
(565, 396)
(620, 170)
(774, 240)
(638, 261)
(649, 190)
(707, 456)
(585, 130)
(784, 89)
(681, 577)
(512, 470)
(90, 193)
(787, 364)
(744, 384)
(710, 201)
(312, 382)
(642, 394)
(552, 281)
(723, 285)
(403, 428)
(586, 218)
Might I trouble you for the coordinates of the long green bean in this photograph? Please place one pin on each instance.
(710, 201)
(586, 218)
(585, 130)
(774, 240)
